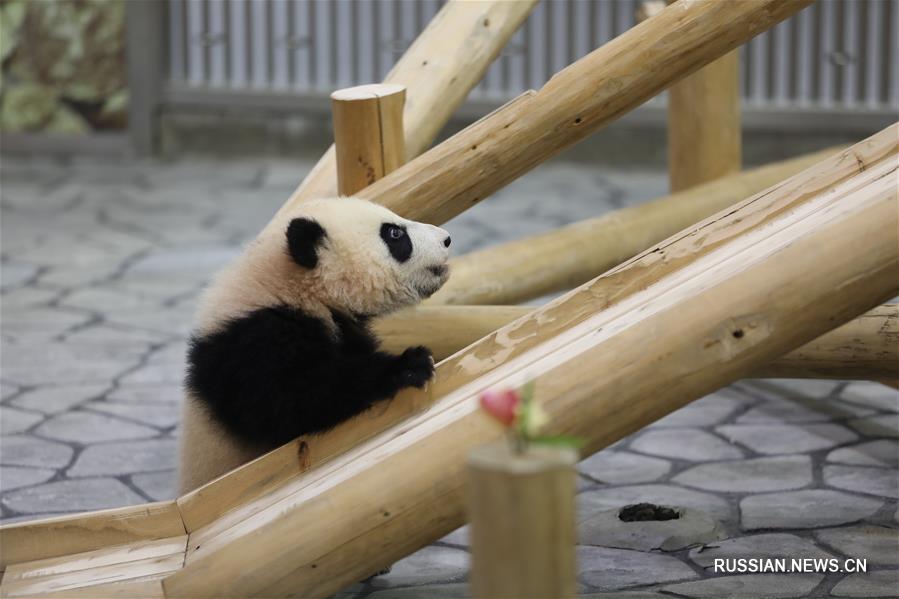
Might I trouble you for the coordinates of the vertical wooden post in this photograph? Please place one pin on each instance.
(521, 509)
(368, 134)
(704, 134)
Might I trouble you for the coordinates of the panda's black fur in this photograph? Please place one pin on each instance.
(278, 373)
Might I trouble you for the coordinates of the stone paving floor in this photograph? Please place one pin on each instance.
(101, 266)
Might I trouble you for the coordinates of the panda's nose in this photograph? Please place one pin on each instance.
(447, 241)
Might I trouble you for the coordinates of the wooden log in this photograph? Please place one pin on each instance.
(368, 134)
(444, 329)
(64, 535)
(865, 348)
(576, 102)
(731, 294)
(704, 134)
(521, 510)
(520, 270)
(438, 70)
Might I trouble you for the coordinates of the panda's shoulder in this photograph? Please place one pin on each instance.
(281, 329)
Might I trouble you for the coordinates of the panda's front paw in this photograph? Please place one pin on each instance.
(415, 367)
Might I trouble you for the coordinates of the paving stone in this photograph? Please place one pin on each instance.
(884, 452)
(15, 421)
(608, 498)
(749, 586)
(116, 334)
(72, 496)
(115, 459)
(625, 595)
(14, 477)
(42, 323)
(882, 583)
(14, 274)
(66, 277)
(706, 411)
(883, 482)
(87, 427)
(750, 476)
(877, 544)
(159, 414)
(812, 388)
(461, 536)
(106, 301)
(25, 450)
(609, 569)
(787, 438)
(606, 529)
(428, 591)
(622, 467)
(886, 425)
(147, 393)
(761, 546)
(59, 363)
(873, 395)
(158, 485)
(24, 298)
(811, 508)
(690, 444)
(8, 389)
(779, 410)
(53, 400)
(430, 564)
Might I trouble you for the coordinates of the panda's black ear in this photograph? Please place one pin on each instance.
(303, 238)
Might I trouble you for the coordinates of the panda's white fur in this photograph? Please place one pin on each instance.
(356, 275)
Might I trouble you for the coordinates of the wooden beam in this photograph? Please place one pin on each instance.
(730, 293)
(577, 101)
(368, 134)
(865, 348)
(438, 70)
(704, 132)
(520, 270)
(523, 533)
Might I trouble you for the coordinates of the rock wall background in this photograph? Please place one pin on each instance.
(63, 66)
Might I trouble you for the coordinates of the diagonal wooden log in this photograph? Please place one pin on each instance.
(577, 101)
(438, 70)
(865, 348)
(520, 270)
(705, 307)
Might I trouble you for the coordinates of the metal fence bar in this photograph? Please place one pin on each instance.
(838, 55)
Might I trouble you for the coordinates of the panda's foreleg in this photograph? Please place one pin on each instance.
(352, 383)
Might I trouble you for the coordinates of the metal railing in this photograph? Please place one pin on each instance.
(835, 57)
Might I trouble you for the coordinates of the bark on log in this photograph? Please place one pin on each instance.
(731, 294)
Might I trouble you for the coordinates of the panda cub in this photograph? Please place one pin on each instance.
(281, 347)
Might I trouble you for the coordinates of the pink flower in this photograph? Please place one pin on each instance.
(502, 405)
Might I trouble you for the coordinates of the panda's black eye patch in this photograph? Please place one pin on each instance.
(397, 240)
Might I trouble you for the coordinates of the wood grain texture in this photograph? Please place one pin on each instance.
(865, 348)
(438, 70)
(368, 134)
(65, 535)
(520, 270)
(521, 512)
(576, 102)
(754, 268)
(704, 130)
